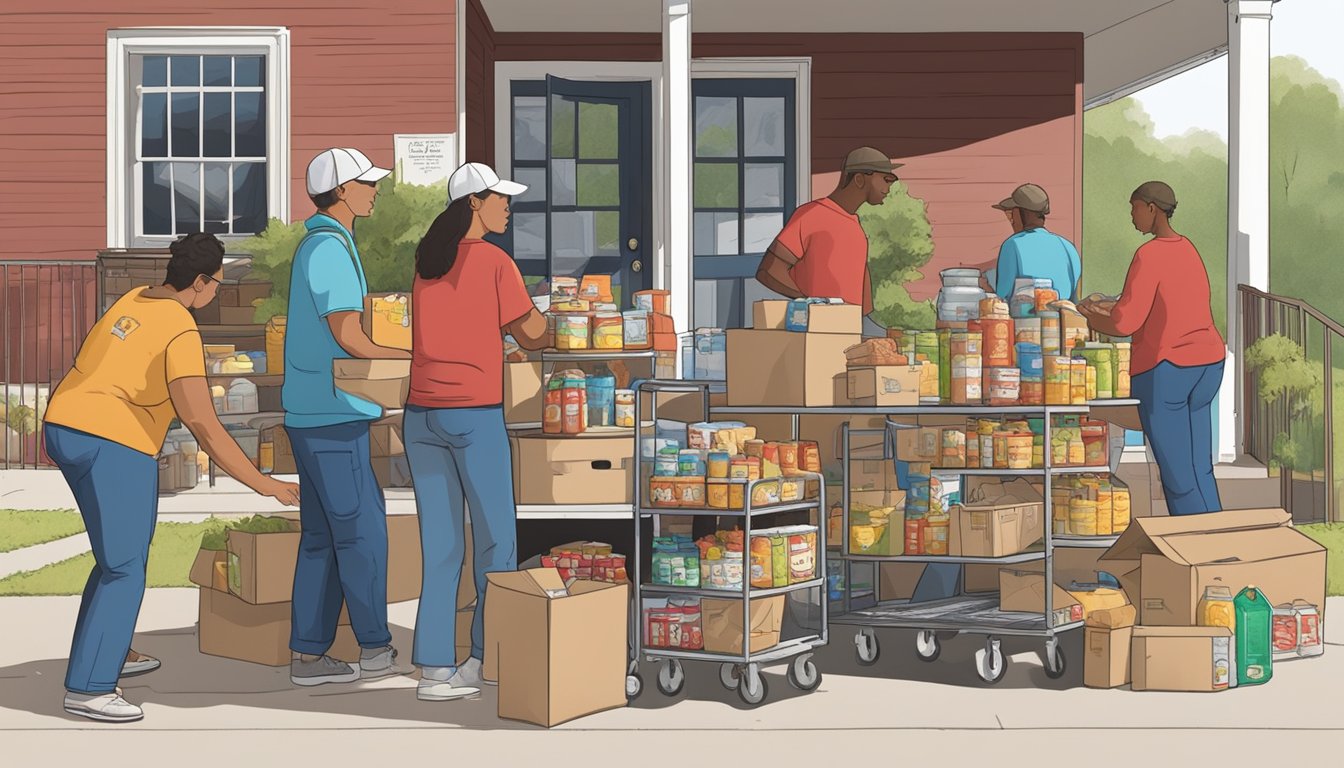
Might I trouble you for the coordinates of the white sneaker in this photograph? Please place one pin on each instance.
(434, 687)
(469, 674)
(104, 707)
(377, 662)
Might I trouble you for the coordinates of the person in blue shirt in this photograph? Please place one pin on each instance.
(342, 555)
(1034, 251)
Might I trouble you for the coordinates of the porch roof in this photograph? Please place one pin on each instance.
(1126, 45)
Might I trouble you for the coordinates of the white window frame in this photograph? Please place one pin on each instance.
(123, 186)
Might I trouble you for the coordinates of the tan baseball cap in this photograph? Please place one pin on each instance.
(869, 160)
(1028, 197)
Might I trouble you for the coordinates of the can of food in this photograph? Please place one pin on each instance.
(788, 458)
(1004, 386)
(716, 464)
(1058, 373)
(914, 535)
(1019, 451)
(1050, 339)
(691, 463)
(998, 341)
(1027, 330)
(608, 331)
(1120, 509)
(571, 331)
(936, 530)
(1092, 372)
(1082, 517)
(736, 494)
(1030, 360)
(625, 408)
(809, 457)
(754, 448)
(1078, 382)
(1031, 390)
(716, 493)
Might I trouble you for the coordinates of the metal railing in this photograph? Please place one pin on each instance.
(1295, 436)
(46, 309)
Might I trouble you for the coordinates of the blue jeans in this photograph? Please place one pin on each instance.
(343, 547)
(117, 490)
(1175, 408)
(458, 455)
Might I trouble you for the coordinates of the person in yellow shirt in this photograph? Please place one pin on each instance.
(140, 366)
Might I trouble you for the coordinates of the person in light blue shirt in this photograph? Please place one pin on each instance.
(1034, 251)
(342, 556)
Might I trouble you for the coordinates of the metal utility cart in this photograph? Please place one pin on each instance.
(737, 671)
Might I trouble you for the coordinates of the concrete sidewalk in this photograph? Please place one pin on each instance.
(898, 707)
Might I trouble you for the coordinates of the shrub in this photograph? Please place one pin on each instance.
(900, 241)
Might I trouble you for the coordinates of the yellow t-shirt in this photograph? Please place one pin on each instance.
(118, 388)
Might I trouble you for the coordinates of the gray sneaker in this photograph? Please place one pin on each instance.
(321, 670)
(469, 675)
(377, 662)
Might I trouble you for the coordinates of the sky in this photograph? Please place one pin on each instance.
(1310, 29)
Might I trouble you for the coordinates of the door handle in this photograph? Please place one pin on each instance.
(636, 265)
(632, 244)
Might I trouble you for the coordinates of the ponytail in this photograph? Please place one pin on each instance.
(437, 252)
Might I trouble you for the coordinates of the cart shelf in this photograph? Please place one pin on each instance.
(587, 356)
(976, 613)
(917, 410)
(575, 511)
(659, 589)
(785, 650)
(1066, 541)
(755, 512)
(1021, 557)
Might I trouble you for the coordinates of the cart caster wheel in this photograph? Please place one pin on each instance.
(671, 678)
(752, 689)
(634, 685)
(803, 674)
(866, 647)
(927, 646)
(728, 675)
(990, 664)
(1055, 666)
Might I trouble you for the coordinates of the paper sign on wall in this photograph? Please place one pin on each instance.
(427, 159)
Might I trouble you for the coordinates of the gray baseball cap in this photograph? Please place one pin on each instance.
(1028, 197)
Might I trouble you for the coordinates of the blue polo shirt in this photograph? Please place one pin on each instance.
(327, 277)
(1039, 253)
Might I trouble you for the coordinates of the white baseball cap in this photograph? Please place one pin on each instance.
(475, 178)
(337, 166)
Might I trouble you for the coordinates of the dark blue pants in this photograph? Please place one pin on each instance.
(117, 490)
(1175, 407)
(343, 548)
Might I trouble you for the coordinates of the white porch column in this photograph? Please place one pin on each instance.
(1247, 194)
(677, 154)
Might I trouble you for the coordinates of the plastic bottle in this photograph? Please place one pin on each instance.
(602, 398)
(1217, 608)
(1254, 633)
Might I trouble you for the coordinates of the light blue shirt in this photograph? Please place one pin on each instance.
(327, 277)
(1039, 253)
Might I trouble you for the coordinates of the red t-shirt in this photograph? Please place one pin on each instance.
(1165, 307)
(457, 357)
(832, 252)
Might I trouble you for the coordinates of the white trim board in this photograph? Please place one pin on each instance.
(122, 189)
(460, 77)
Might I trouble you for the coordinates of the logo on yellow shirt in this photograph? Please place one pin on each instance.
(124, 327)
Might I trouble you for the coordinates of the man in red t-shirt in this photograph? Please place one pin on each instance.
(822, 251)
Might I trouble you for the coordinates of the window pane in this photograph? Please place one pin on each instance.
(753, 291)
(716, 185)
(562, 182)
(154, 125)
(529, 128)
(218, 70)
(599, 184)
(249, 125)
(249, 70)
(186, 124)
(715, 126)
(185, 70)
(156, 200)
(535, 180)
(249, 198)
(218, 124)
(562, 127)
(764, 185)
(715, 301)
(216, 191)
(578, 236)
(154, 71)
(763, 122)
(759, 230)
(716, 234)
(187, 197)
(529, 236)
(607, 232)
(598, 137)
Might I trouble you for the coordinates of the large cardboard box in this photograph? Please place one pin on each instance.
(210, 570)
(382, 382)
(782, 368)
(385, 437)
(995, 530)
(1106, 656)
(772, 315)
(588, 469)
(1186, 659)
(387, 319)
(897, 581)
(919, 444)
(233, 629)
(722, 623)
(560, 653)
(392, 471)
(1022, 588)
(1165, 563)
(888, 385)
(261, 565)
(522, 393)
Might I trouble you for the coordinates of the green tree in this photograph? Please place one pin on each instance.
(900, 242)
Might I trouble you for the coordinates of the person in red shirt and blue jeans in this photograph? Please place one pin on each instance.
(1178, 355)
(467, 295)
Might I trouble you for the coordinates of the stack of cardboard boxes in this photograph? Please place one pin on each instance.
(769, 365)
(236, 304)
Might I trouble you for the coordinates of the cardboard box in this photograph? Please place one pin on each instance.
(588, 469)
(387, 319)
(463, 632)
(918, 444)
(522, 393)
(392, 471)
(722, 623)
(1166, 562)
(244, 294)
(233, 629)
(1022, 589)
(1106, 656)
(780, 368)
(385, 437)
(979, 578)
(1186, 659)
(897, 581)
(382, 382)
(888, 385)
(871, 475)
(210, 570)
(237, 315)
(282, 453)
(770, 315)
(559, 653)
(261, 565)
(995, 531)
(835, 318)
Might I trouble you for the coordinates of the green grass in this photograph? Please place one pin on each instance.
(21, 528)
(170, 557)
(1330, 536)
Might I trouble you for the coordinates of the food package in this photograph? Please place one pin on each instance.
(874, 353)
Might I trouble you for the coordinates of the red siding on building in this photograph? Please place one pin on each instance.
(359, 73)
(972, 116)
(480, 84)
